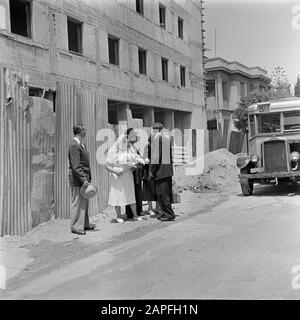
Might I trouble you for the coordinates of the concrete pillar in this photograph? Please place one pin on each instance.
(169, 119)
(148, 116)
(124, 114)
(219, 92)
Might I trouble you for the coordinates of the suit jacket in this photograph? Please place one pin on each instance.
(161, 158)
(79, 169)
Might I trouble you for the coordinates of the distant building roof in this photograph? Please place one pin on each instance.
(214, 64)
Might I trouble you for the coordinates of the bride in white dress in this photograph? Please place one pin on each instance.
(120, 162)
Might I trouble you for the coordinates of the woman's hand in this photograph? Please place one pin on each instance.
(118, 171)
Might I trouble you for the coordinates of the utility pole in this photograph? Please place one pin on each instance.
(215, 42)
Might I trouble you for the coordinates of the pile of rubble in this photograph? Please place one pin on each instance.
(220, 173)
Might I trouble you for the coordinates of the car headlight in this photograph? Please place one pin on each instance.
(254, 158)
(295, 156)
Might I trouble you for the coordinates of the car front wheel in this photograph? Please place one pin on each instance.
(246, 184)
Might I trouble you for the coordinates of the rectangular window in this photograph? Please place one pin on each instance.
(142, 61)
(139, 6)
(224, 91)
(210, 88)
(291, 120)
(162, 15)
(182, 76)
(180, 28)
(74, 35)
(268, 123)
(113, 50)
(242, 89)
(20, 17)
(164, 69)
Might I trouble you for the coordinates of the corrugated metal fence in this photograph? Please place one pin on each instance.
(87, 107)
(15, 155)
(22, 144)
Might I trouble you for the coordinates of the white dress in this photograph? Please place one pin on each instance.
(121, 191)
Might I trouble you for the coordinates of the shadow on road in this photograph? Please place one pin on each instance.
(283, 189)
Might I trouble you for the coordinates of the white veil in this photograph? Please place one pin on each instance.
(114, 153)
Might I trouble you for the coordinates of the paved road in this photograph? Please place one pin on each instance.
(243, 248)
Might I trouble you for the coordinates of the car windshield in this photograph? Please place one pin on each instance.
(291, 120)
(268, 123)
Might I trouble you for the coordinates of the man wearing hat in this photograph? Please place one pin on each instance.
(80, 178)
(161, 170)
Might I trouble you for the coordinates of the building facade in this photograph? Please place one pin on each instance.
(102, 63)
(226, 84)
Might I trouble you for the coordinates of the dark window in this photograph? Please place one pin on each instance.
(268, 123)
(212, 124)
(159, 116)
(74, 35)
(113, 50)
(164, 69)
(224, 91)
(142, 61)
(162, 15)
(182, 76)
(139, 5)
(291, 120)
(210, 88)
(20, 17)
(180, 28)
(242, 90)
(112, 117)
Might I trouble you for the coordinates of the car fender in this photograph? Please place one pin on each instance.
(242, 162)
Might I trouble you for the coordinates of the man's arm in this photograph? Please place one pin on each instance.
(76, 165)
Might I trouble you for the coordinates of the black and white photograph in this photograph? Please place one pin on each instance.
(149, 151)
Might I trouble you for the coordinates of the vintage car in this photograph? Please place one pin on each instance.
(274, 144)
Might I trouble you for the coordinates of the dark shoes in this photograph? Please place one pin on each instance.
(81, 232)
(92, 226)
(165, 218)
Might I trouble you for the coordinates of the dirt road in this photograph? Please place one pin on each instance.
(245, 247)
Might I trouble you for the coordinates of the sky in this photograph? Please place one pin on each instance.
(263, 33)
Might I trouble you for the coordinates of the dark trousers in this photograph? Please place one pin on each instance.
(163, 189)
(138, 199)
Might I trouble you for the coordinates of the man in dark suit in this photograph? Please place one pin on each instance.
(161, 170)
(79, 175)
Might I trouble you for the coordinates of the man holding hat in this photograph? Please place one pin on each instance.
(79, 178)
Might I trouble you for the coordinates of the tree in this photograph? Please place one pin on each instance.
(279, 81)
(297, 87)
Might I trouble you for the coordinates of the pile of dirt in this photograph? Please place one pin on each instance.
(220, 173)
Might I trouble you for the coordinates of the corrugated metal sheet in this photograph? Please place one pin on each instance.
(15, 158)
(77, 105)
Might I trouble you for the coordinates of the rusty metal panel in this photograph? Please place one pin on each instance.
(15, 156)
(42, 159)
